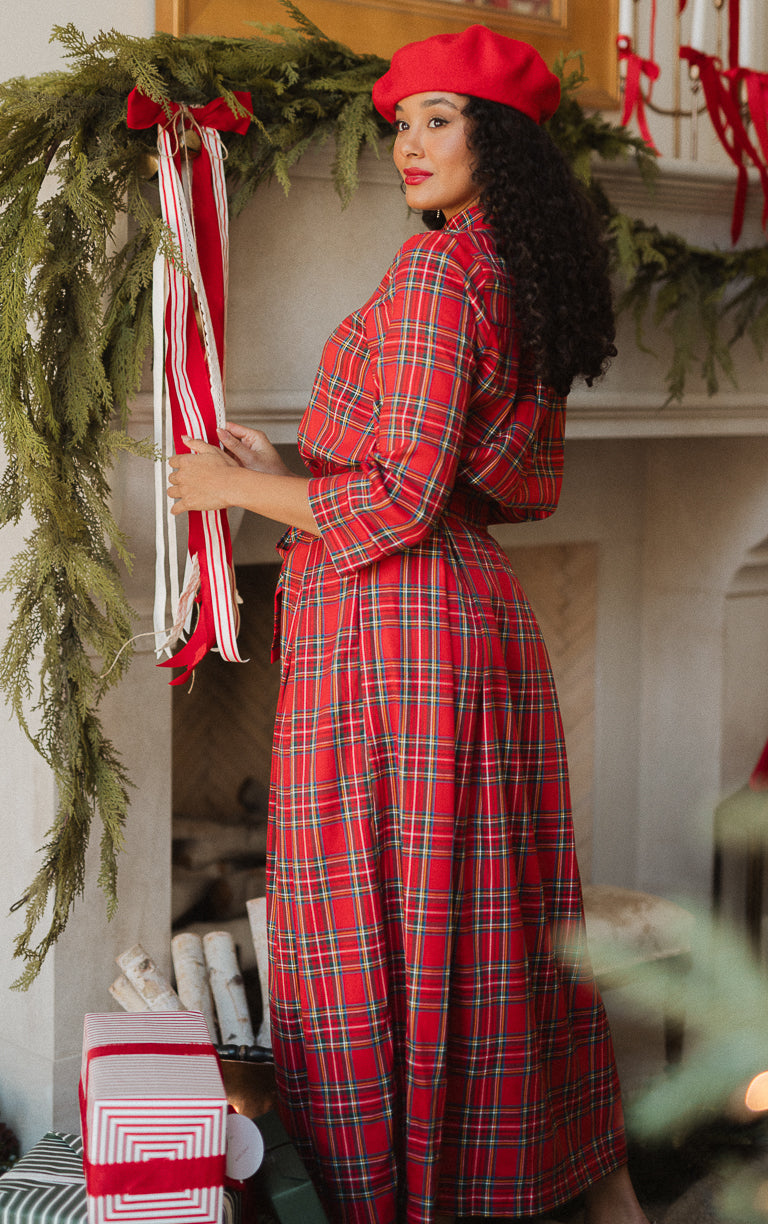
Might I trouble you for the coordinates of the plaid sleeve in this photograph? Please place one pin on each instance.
(520, 468)
(423, 343)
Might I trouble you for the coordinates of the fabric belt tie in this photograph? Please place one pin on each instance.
(189, 317)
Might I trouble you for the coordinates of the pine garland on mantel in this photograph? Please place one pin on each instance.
(75, 327)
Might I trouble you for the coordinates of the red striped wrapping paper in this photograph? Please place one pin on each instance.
(154, 1117)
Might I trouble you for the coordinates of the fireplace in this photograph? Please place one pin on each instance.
(222, 733)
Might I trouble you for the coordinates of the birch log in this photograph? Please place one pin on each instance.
(148, 981)
(257, 917)
(227, 987)
(126, 995)
(192, 983)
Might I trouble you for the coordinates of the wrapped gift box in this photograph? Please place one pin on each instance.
(154, 1114)
(282, 1185)
(47, 1184)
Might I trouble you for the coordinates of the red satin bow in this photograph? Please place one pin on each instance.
(634, 103)
(143, 112)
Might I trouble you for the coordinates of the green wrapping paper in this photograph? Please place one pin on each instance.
(282, 1187)
(47, 1186)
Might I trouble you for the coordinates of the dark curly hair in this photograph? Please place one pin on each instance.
(549, 236)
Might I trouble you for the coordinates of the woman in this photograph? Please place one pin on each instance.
(439, 1045)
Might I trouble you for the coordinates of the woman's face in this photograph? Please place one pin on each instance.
(432, 154)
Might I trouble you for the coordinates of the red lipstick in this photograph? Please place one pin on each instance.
(414, 177)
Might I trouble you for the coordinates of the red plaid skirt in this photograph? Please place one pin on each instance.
(436, 1044)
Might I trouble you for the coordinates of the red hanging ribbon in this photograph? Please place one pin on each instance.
(757, 100)
(652, 34)
(726, 117)
(143, 113)
(734, 22)
(189, 388)
(634, 103)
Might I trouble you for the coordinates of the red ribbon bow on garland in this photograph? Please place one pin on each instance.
(721, 94)
(637, 67)
(193, 360)
(634, 103)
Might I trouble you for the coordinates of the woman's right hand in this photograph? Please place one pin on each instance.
(252, 449)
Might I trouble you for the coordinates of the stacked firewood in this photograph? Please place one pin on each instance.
(218, 915)
(208, 979)
(219, 866)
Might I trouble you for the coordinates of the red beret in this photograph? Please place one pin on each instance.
(478, 62)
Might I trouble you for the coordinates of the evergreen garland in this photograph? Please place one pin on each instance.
(706, 299)
(75, 325)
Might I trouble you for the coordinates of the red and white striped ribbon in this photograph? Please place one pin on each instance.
(200, 408)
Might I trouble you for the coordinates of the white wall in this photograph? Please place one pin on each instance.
(706, 508)
(25, 47)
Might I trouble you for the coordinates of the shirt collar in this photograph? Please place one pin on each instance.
(468, 218)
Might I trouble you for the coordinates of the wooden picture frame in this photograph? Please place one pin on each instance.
(381, 26)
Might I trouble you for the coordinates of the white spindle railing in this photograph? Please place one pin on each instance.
(692, 65)
(706, 26)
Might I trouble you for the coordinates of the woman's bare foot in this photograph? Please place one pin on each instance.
(612, 1200)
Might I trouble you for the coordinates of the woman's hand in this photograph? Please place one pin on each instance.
(251, 448)
(248, 472)
(198, 481)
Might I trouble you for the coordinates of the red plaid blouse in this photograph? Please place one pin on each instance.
(422, 402)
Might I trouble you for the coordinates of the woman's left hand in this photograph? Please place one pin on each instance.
(198, 481)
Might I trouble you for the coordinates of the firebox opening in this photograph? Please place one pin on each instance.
(222, 741)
